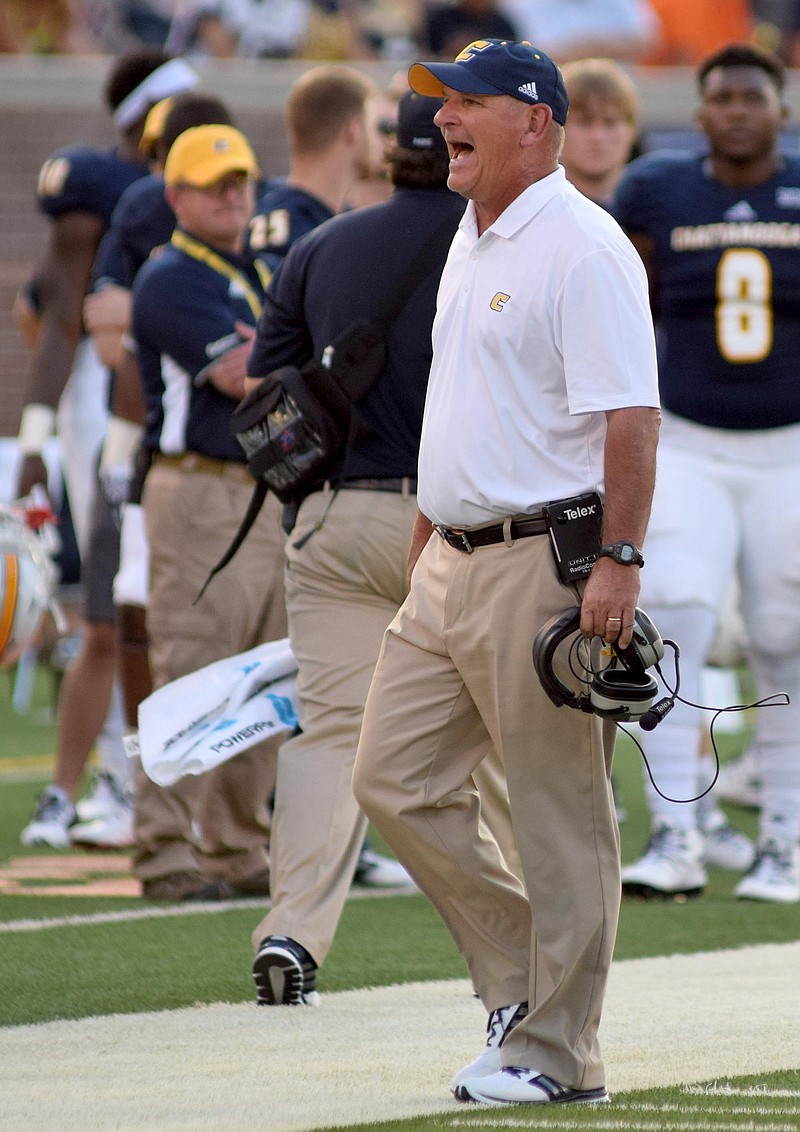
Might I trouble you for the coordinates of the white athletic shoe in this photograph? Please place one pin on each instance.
(103, 797)
(672, 865)
(513, 1085)
(775, 874)
(51, 820)
(740, 781)
(375, 871)
(498, 1027)
(725, 848)
(113, 830)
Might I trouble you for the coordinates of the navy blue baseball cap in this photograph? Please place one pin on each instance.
(415, 125)
(497, 66)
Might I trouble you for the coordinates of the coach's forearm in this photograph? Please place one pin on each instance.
(423, 529)
(630, 471)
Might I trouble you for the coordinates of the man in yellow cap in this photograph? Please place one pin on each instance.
(194, 308)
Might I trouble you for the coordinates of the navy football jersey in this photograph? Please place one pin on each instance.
(142, 220)
(727, 266)
(284, 214)
(80, 179)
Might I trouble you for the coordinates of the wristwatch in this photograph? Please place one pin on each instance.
(626, 553)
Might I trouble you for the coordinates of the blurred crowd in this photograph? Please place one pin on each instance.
(650, 32)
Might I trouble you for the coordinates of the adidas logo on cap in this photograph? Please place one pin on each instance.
(530, 90)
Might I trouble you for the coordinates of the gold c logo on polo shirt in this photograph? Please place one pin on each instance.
(499, 301)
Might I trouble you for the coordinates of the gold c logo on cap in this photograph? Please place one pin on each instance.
(472, 48)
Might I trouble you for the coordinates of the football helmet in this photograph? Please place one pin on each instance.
(27, 579)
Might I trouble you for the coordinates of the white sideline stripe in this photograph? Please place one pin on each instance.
(547, 1121)
(189, 909)
(747, 1110)
(732, 1091)
(387, 1053)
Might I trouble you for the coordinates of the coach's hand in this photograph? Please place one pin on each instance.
(609, 602)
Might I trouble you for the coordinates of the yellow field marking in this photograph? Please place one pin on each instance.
(73, 874)
(26, 763)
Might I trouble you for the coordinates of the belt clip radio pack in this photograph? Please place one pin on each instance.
(574, 526)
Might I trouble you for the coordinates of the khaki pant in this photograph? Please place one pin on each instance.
(343, 587)
(456, 674)
(191, 517)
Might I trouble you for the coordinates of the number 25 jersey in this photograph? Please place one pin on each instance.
(727, 303)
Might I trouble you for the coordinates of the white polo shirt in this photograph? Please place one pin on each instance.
(542, 324)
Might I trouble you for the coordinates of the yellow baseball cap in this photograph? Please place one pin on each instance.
(203, 154)
(154, 125)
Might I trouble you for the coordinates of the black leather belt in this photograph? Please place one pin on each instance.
(467, 541)
(396, 484)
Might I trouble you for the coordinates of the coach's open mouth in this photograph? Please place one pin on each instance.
(459, 151)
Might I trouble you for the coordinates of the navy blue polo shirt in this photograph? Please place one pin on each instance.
(184, 315)
(728, 278)
(343, 271)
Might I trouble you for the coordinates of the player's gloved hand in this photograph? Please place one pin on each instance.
(115, 484)
(117, 461)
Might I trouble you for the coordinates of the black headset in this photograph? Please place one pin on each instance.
(619, 685)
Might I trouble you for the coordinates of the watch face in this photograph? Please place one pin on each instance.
(626, 553)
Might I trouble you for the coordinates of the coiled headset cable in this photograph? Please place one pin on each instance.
(663, 707)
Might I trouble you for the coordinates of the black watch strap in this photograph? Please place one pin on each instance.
(625, 553)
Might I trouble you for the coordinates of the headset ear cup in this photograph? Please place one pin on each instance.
(621, 695)
(547, 640)
(646, 647)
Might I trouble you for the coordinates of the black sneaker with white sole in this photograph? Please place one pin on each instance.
(514, 1085)
(284, 973)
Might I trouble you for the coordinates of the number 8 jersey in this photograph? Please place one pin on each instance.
(727, 301)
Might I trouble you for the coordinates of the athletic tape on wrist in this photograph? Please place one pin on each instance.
(36, 425)
(121, 443)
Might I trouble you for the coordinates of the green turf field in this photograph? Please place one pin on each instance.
(80, 956)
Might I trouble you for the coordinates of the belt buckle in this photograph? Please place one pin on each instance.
(457, 539)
